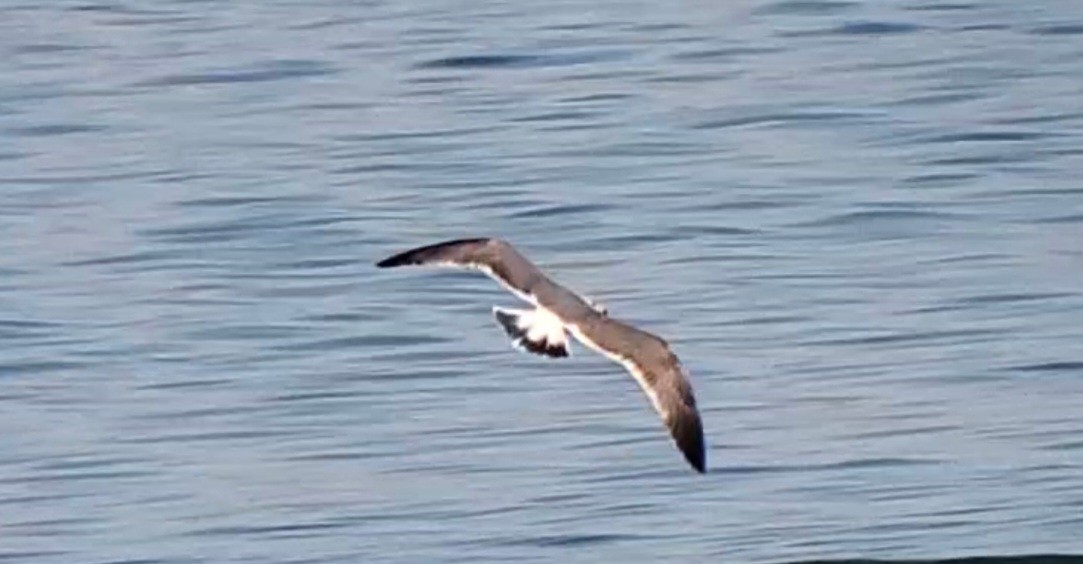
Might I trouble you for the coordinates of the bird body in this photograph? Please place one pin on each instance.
(557, 309)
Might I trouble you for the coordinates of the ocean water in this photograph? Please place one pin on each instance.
(859, 224)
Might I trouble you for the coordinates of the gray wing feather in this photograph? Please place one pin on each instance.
(492, 256)
(659, 373)
(459, 251)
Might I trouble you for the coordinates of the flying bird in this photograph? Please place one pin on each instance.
(558, 311)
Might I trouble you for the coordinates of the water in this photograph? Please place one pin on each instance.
(859, 224)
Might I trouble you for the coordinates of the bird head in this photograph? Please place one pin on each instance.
(598, 307)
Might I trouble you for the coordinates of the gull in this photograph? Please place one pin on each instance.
(559, 311)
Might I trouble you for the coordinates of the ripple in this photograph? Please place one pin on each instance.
(989, 136)
(877, 28)
(1063, 366)
(932, 338)
(47, 48)
(1070, 218)
(943, 7)
(855, 464)
(780, 119)
(723, 53)
(365, 341)
(560, 210)
(569, 540)
(870, 217)
(497, 61)
(71, 477)
(29, 555)
(135, 258)
(940, 179)
(805, 7)
(265, 71)
(211, 437)
(54, 130)
(1013, 298)
(904, 431)
(216, 202)
(17, 368)
(296, 530)
(1059, 29)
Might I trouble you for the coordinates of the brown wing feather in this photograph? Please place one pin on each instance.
(495, 257)
(659, 374)
(458, 251)
(671, 395)
(681, 416)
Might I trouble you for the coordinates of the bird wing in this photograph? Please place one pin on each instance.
(659, 373)
(494, 257)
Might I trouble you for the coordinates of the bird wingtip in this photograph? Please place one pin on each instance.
(389, 262)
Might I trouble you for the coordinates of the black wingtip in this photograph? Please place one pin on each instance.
(694, 453)
(697, 459)
(395, 260)
(700, 465)
(688, 434)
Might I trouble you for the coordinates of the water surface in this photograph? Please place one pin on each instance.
(858, 223)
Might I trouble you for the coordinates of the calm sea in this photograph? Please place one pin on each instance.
(859, 223)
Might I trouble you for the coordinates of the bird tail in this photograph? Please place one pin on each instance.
(537, 331)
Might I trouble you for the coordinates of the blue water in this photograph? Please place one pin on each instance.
(860, 225)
